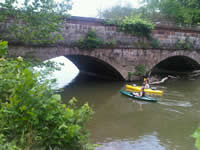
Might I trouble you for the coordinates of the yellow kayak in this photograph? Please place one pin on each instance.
(138, 89)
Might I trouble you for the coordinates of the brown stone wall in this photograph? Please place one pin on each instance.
(167, 36)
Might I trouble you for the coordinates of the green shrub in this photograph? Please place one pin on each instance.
(184, 44)
(32, 114)
(110, 44)
(4, 145)
(178, 44)
(187, 44)
(90, 41)
(136, 26)
(140, 70)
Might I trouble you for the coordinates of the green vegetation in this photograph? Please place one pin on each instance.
(196, 135)
(32, 114)
(5, 145)
(184, 44)
(128, 20)
(116, 14)
(179, 11)
(110, 44)
(33, 22)
(3, 48)
(140, 70)
(136, 26)
(175, 11)
(91, 41)
(155, 43)
(137, 21)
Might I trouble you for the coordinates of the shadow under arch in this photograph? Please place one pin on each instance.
(176, 65)
(95, 67)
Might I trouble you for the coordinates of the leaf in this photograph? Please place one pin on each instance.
(196, 135)
(3, 48)
(22, 108)
(56, 97)
(63, 126)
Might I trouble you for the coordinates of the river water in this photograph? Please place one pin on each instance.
(122, 123)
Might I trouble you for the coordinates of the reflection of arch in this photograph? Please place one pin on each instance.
(178, 63)
(95, 66)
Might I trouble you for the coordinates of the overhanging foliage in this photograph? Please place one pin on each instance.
(33, 21)
(33, 115)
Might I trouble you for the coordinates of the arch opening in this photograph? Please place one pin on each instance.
(176, 65)
(95, 68)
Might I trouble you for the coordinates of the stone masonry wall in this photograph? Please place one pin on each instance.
(167, 37)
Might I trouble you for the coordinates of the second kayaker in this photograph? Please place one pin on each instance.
(146, 83)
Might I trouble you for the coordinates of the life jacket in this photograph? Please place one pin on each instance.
(143, 93)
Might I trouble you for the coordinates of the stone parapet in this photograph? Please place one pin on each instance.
(164, 37)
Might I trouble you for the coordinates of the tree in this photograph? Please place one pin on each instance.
(180, 11)
(34, 21)
(117, 12)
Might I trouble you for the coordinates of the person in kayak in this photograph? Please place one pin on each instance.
(142, 93)
(146, 83)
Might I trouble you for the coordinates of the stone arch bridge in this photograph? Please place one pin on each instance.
(115, 63)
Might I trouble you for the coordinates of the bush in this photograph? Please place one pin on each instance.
(140, 70)
(32, 114)
(4, 145)
(136, 26)
(184, 44)
(90, 41)
(187, 44)
(110, 44)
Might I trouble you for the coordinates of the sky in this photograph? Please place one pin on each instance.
(89, 8)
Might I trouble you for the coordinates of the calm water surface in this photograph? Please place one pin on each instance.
(121, 123)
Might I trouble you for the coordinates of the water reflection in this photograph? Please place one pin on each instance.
(122, 123)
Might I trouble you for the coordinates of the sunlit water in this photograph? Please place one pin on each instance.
(122, 123)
